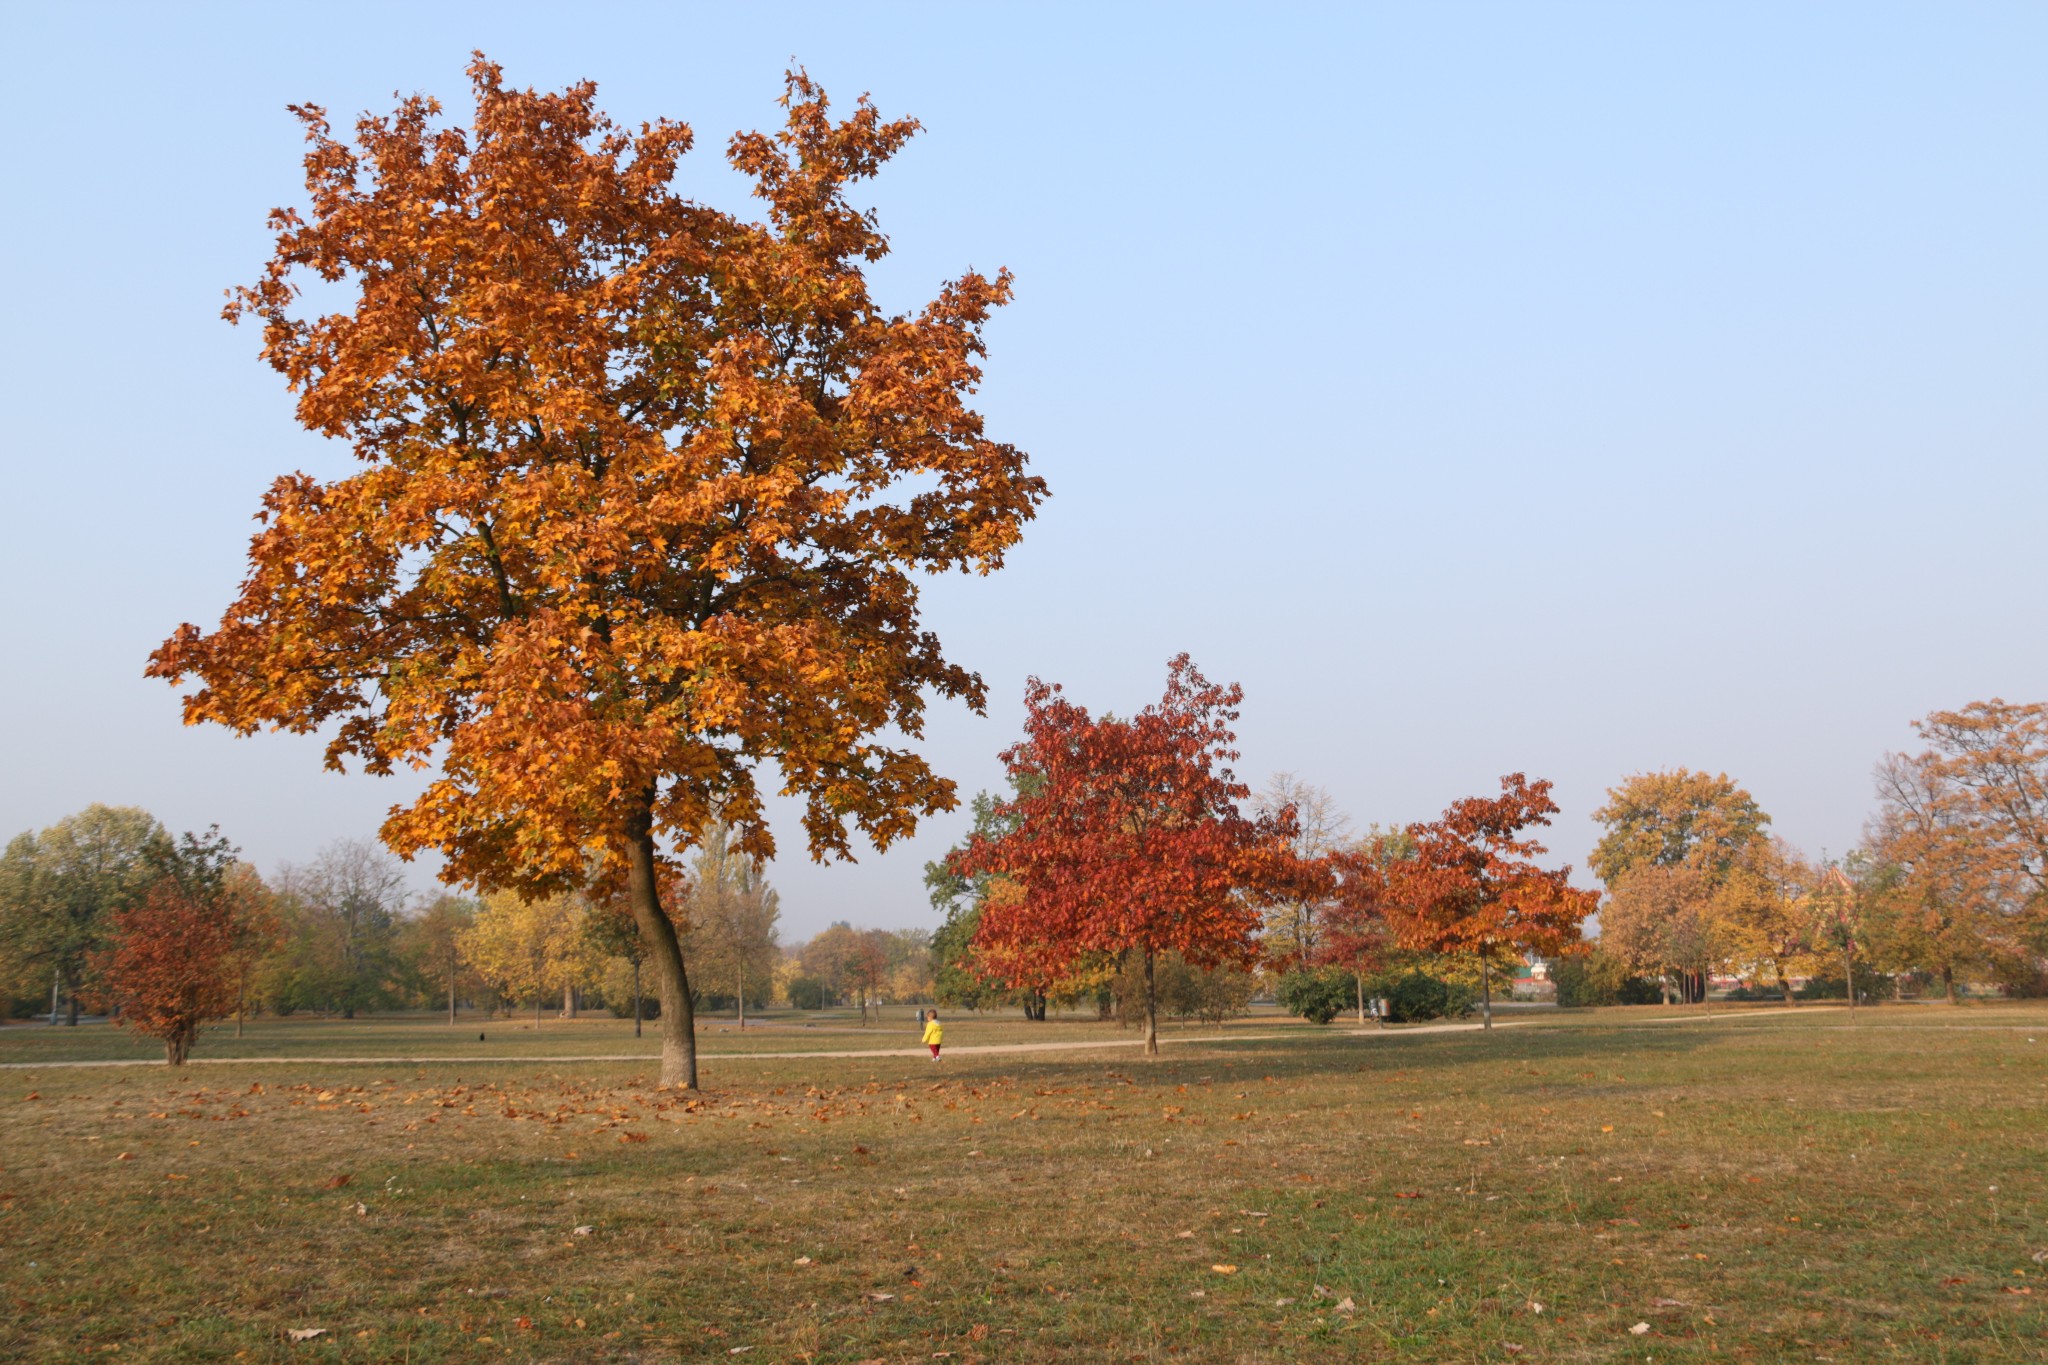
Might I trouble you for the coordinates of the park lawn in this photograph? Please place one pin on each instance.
(1772, 1187)
(593, 1034)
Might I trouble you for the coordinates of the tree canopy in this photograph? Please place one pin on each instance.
(646, 492)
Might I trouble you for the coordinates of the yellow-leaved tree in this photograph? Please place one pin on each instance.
(646, 492)
(531, 946)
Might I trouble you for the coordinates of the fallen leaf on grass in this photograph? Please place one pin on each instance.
(584, 1230)
(305, 1333)
(642, 1137)
(875, 1296)
(1666, 1303)
(1224, 1269)
(125, 1156)
(803, 1260)
(338, 1181)
(1345, 1305)
(1641, 1329)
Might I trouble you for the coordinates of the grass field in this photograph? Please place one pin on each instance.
(1590, 1187)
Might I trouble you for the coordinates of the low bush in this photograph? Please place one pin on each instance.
(1317, 996)
(1598, 978)
(808, 993)
(1416, 997)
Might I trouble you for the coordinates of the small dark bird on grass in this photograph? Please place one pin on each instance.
(479, 1037)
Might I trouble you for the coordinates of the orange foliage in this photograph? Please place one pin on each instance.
(1470, 886)
(646, 492)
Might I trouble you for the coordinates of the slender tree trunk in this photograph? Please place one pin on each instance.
(1358, 979)
(1948, 982)
(1151, 1010)
(56, 993)
(636, 997)
(1785, 985)
(568, 1001)
(451, 991)
(540, 998)
(71, 1009)
(1485, 993)
(740, 999)
(1849, 975)
(678, 1014)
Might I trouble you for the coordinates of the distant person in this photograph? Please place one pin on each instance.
(933, 1034)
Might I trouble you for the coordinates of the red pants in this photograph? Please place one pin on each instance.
(935, 1049)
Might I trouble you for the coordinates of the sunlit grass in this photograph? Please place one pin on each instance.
(1770, 1188)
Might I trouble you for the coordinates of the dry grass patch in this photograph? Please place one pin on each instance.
(1781, 1189)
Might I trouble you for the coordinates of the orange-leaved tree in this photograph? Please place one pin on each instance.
(646, 494)
(1127, 837)
(1469, 885)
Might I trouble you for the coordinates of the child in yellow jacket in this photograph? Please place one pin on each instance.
(933, 1034)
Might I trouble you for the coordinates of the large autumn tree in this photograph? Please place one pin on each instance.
(646, 492)
(1471, 884)
(1687, 834)
(1127, 836)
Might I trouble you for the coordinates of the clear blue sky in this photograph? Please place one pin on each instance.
(1578, 389)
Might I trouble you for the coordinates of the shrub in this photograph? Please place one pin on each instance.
(1211, 994)
(1418, 996)
(1598, 978)
(1317, 996)
(1869, 986)
(808, 993)
(2020, 976)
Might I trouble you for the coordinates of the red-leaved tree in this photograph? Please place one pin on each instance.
(1357, 936)
(172, 965)
(1469, 885)
(1127, 839)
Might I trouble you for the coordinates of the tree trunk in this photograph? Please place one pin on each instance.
(636, 997)
(1358, 979)
(540, 997)
(1849, 975)
(56, 993)
(678, 1012)
(1151, 1010)
(1785, 985)
(568, 1001)
(451, 991)
(740, 997)
(1948, 982)
(1485, 993)
(71, 1004)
